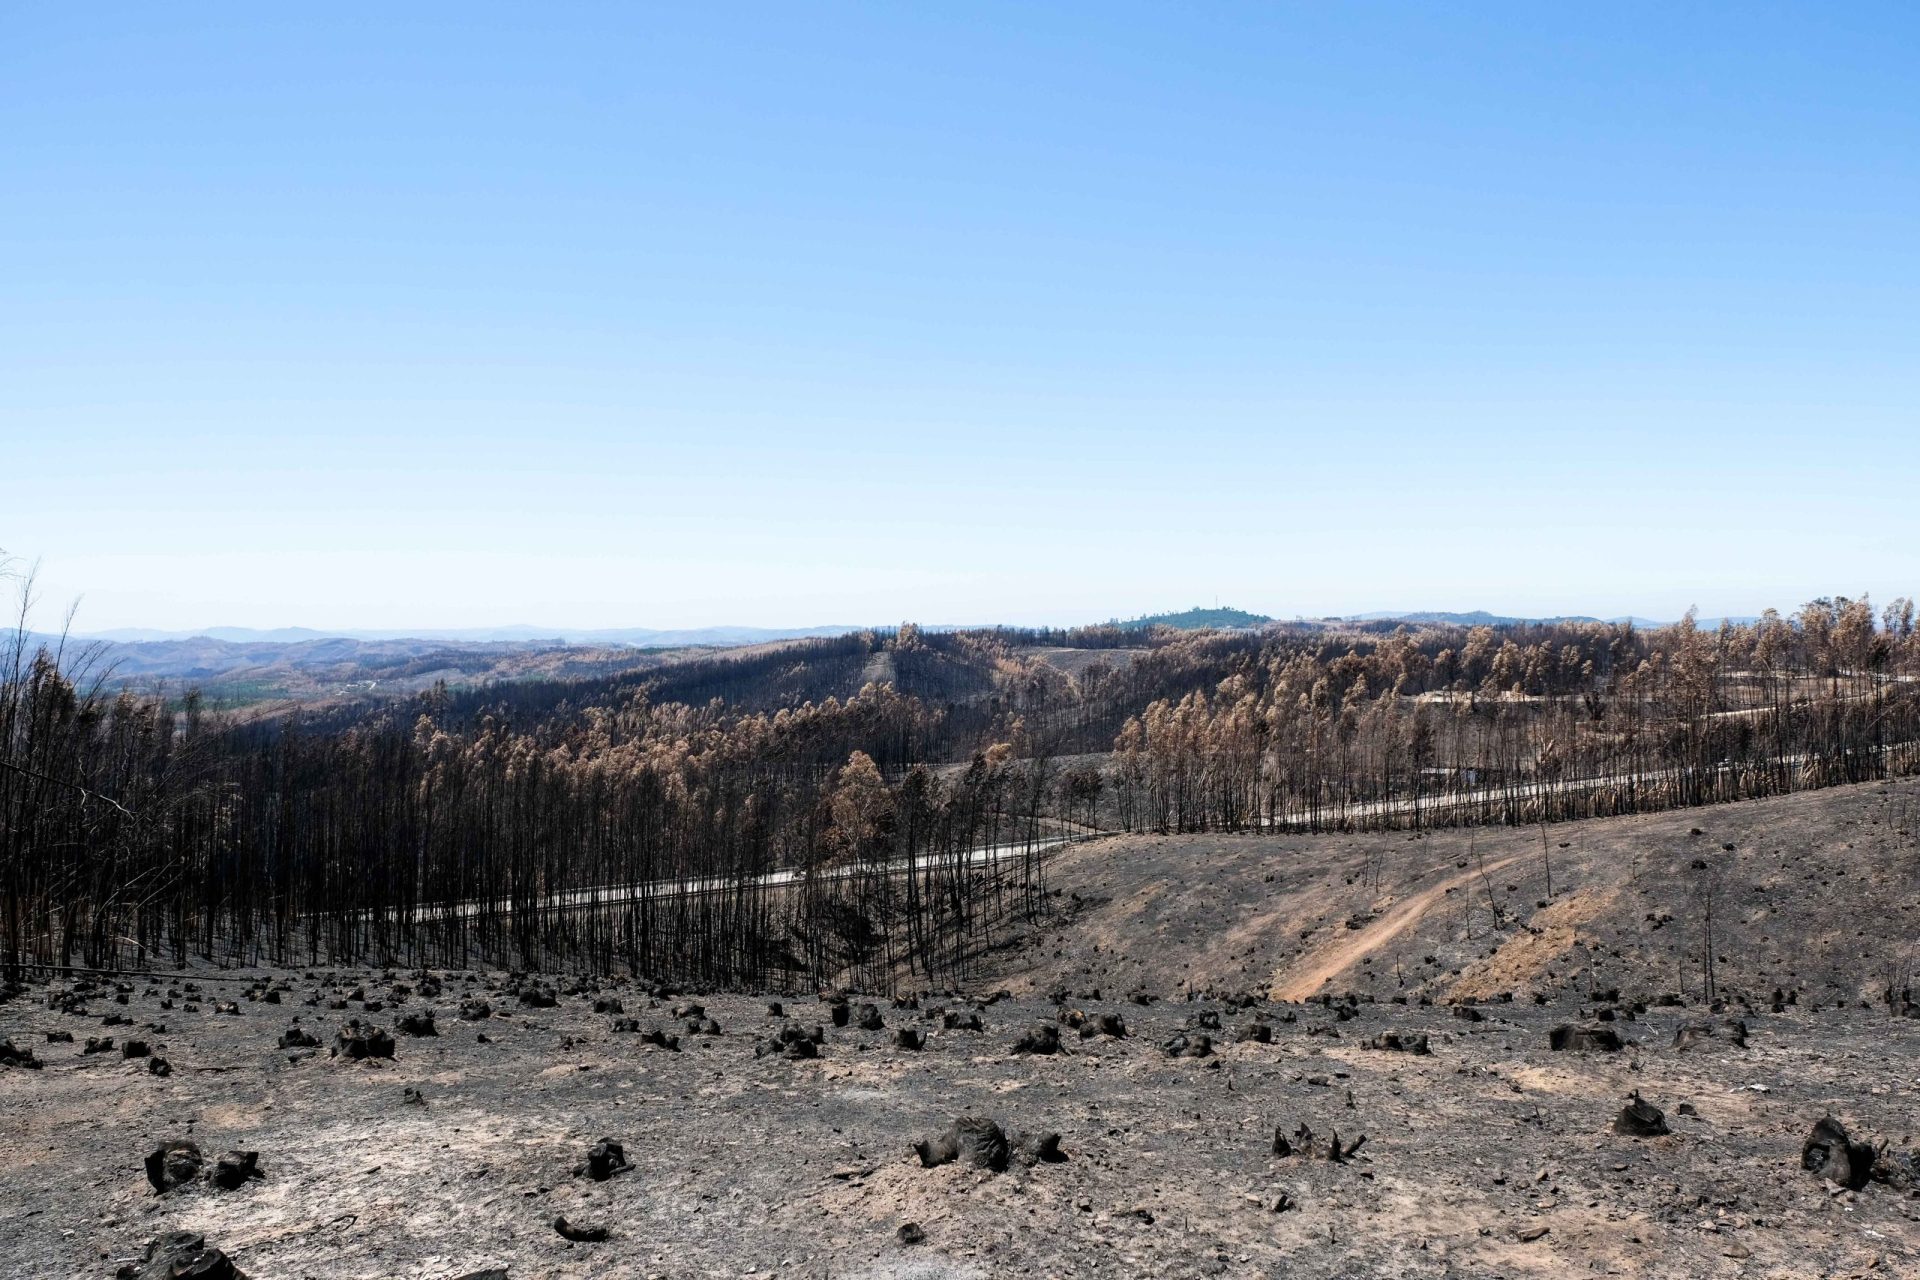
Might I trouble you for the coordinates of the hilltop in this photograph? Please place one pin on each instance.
(1197, 618)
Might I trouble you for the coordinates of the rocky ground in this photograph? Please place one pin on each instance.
(1489, 1154)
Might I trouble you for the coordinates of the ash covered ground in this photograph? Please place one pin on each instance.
(1489, 1154)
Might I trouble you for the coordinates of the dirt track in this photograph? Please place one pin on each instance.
(1307, 976)
(1490, 1156)
(1817, 893)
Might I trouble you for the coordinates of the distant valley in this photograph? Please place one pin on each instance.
(237, 667)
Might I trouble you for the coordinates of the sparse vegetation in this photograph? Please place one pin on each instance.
(869, 808)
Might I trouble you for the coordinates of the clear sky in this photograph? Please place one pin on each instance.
(459, 315)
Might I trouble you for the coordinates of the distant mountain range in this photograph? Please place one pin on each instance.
(1194, 619)
(1481, 618)
(241, 666)
(634, 637)
(1199, 618)
(244, 672)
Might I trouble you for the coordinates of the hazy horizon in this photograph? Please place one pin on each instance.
(534, 631)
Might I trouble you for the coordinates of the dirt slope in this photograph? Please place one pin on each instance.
(1813, 893)
(1489, 1155)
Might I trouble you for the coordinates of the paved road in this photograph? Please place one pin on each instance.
(657, 890)
(1519, 793)
(1331, 815)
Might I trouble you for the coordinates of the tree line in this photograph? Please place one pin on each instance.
(871, 809)
(1441, 727)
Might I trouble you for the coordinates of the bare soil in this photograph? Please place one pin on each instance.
(1492, 1155)
(1817, 893)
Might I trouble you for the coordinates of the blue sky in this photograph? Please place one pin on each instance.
(383, 316)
